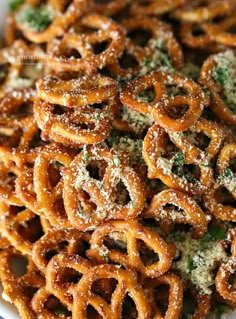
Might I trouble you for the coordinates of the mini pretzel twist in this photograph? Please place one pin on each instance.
(67, 117)
(61, 267)
(161, 163)
(131, 233)
(163, 103)
(175, 298)
(85, 44)
(199, 11)
(110, 8)
(63, 18)
(187, 212)
(48, 183)
(225, 289)
(96, 200)
(57, 241)
(127, 283)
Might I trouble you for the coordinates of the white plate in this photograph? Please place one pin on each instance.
(7, 311)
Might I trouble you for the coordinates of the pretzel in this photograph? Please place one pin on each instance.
(209, 76)
(174, 299)
(225, 289)
(127, 283)
(188, 211)
(63, 18)
(163, 103)
(109, 8)
(221, 32)
(15, 288)
(90, 61)
(96, 201)
(130, 233)
(228, 180)
(22, 228)
(61, 267)
(199, 11)
(56, 241)
(161, 164)
(72, 125)
(48, 183)
(153, 7)
(214, 202)
(46, 305)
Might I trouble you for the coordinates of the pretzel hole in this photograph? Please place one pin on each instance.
(54, 172)
(70, 53)
(177, 111)
(161, 297)
(224, 197)
(189, 304)
(82, 247)
(147, 95)
(66, 4)
(92, 313)
(197, 32)
(113, 242)
(189, 172)
(173, 90)
(232, 29)
(29, 292)
(54, 306)
(59, 208)
(140, 36)
(19, 265)
(232, 165)
(199, 140)
(127, 61)
(103, 1)
(62, 246)
(100, 47)
(67, 275)
(58, 110)
(104, 288)
(129, 309)
(36, 140)
(122, 196)
(96, 169)
(4, 68)
(147, 254)
(31, 230)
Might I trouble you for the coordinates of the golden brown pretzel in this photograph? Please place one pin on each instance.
(96, 198)
(106, 30)
(131, 233)
(56, 241)
(169, 165)
(164, 103)
(154, 7)
(127, 283)
(188, 211)
(175, 297)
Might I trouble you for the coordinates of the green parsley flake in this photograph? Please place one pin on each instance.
(116, 160)
(228, 173)
(86, 154)
(37, 19)
(178, 159)
(15, 4)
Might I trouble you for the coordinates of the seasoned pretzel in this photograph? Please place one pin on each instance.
(57, 241)
(188, 211)
(22, 228)
(163, 103)
(225, 289)
(48, 183)
(95, 200)
(217, 204)
(153, 7)
(210, 78)
(63, 18)
(220, 32)
(15, 288)
(61, 267)
(161, 162)
(46, 305)
(202, 10)
(106, 31)
(175, 297)
(127, 283)
(131, 233)
(76, 125)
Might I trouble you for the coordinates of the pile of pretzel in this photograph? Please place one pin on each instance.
(116, 134)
